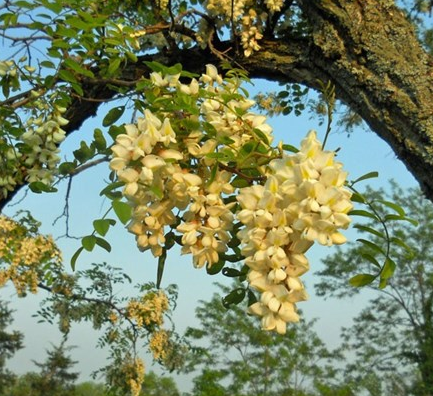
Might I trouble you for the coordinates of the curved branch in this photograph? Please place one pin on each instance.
(367, 49)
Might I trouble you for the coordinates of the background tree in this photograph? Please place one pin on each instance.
(10, 343)
(54, 378)
(236, 357)
(89, 388)
(154, 385)
(31, 384)
(393, 334)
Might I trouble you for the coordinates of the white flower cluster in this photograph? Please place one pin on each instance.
(8, 68)
(302, 201)
(274, 5)
(43, 136)
(37, 159)
(228, 8)
(250, 32)
(7, 177)
(246, 15)
(163, 172)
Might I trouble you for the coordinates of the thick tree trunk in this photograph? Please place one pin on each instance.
(370, 52)
(372, 55)
(366, 48)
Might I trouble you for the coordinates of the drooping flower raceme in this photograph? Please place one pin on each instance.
(35, 156)
(24, 255)
(302, 201)
(164, 170)
(245, 17)
(198, 169)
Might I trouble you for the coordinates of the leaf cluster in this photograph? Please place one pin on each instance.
(392, 334)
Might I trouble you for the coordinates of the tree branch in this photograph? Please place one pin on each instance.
(367, 49)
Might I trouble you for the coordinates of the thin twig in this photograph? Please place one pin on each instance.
(12, 99)
(88, 165)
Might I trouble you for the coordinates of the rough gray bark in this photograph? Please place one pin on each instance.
(366, 48)
(370, 52)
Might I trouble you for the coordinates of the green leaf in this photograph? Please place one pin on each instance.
(393, 206)
(99, 140)
(24, 4)
(388, 268)
(113, 115)
(75, 257)
(362, 280)
(66, 31)
(48, 64)
(66, 168)
(40, 187)
(363, 213)
(188, 74)
(55, 7)
(225, 155)
(401, 243)
(252, 298)
(114, 65)
(77, 23)
(115, 131)
(113, 42)
(212, 175)
(393, 217)
(287, 110)
(239, 182)
(231, 272)
(108, 191)
(411, 221)
(122, 210)
(88, 242)
(289, 147)
(371, 259)
(101, 226)
(131, 56)
(6, 86)
(155, 66)
(369, 175)
(84, 153)
(157, 191)
(170, 240)
(215, 268)
(103, 244)
(68, 76)
(369, 230)
(74, 65)
(77, 88)
(234, 297)
(371, 245)
(261, 136)
(161, 264)
(175, 69)
(247, 149)
(382, 283)
(357, 197)
(55, 53)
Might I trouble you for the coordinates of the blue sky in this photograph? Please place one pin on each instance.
(361, 152)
